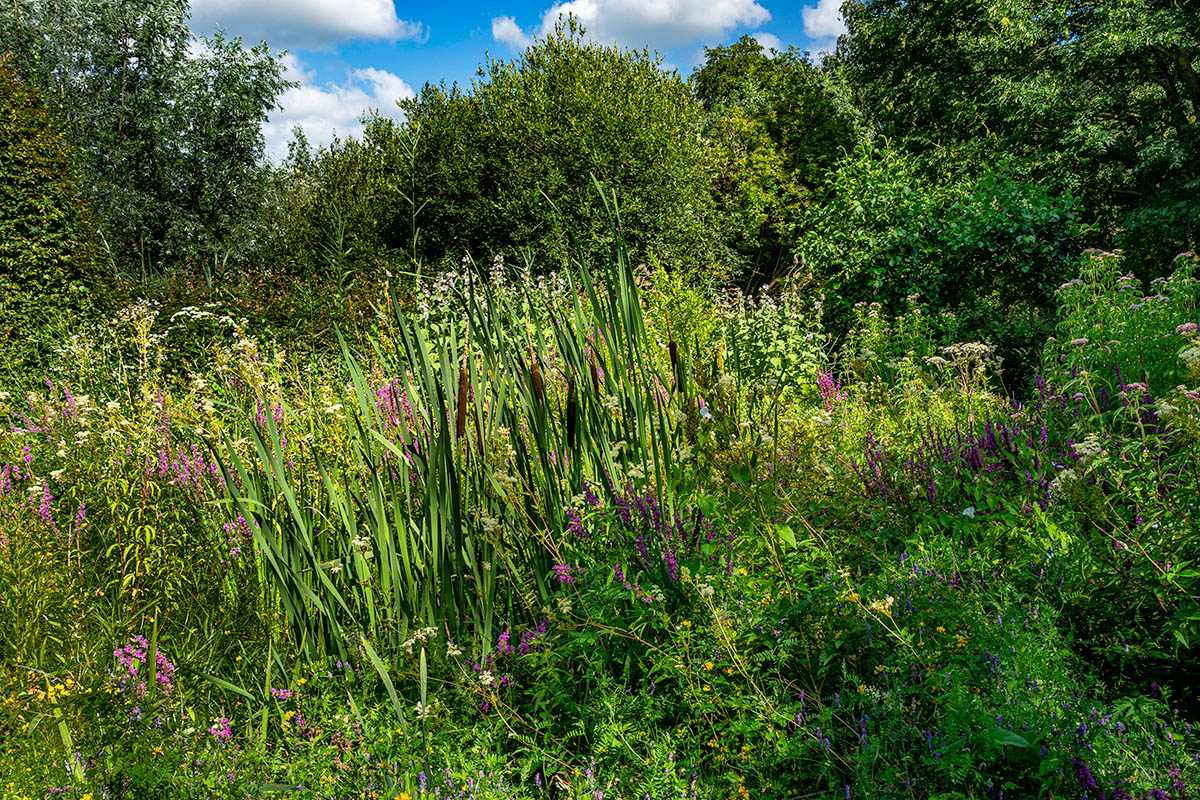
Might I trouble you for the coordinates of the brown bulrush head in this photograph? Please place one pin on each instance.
(460, 424)
(539, 391)
(572, 412)
(595, 377)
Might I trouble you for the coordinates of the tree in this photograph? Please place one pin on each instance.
(47, 242)
(169, 133)
(782, 128)
(1100, 99)
(986, 245)
(508, 163)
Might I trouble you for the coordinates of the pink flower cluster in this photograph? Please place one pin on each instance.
(129, 671)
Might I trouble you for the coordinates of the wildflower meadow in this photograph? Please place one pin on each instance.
(597, 433)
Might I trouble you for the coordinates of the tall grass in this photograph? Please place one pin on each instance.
(465, 449)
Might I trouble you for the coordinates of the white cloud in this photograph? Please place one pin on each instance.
(304, 23)
(506, 30)
(769, 42)
(638, 23)
(324, 109)
(824, 20)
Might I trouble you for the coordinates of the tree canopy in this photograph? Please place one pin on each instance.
(169, 132)
(1099, 99)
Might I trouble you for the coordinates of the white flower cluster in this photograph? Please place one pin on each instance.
(1063, 480)
(725, 385)
(1191, 357)
(420, 637)
(1088, 449)
(883, 607)
(1164, 409)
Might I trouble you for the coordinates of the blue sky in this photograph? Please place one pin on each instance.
(351, 55)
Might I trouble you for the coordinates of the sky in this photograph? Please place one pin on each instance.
(349, 56)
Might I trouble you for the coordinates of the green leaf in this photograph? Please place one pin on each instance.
(1003, 736)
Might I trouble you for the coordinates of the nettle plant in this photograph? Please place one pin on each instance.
(775, 340)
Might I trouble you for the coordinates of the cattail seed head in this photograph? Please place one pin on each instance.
(460, 424)
(572, 412)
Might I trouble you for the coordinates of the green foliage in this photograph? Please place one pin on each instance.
(974, 244)
(48, 247)
(507, 163)
(169, 140)
(1112, 333)
(1100, 100)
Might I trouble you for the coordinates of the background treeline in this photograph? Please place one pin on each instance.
(961, 152)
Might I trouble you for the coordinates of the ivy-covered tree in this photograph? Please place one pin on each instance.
(169, 131)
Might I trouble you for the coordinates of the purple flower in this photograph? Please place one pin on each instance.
(221, 731)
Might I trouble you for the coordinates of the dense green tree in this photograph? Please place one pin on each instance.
(1098, 98)
(507, 163)
(782, 127)
(47, 241)
(986, 245)
(169, 132)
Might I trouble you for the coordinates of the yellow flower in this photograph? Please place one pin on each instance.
(708, 665)
(302, 681)
(687, 623)
(940, 629)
